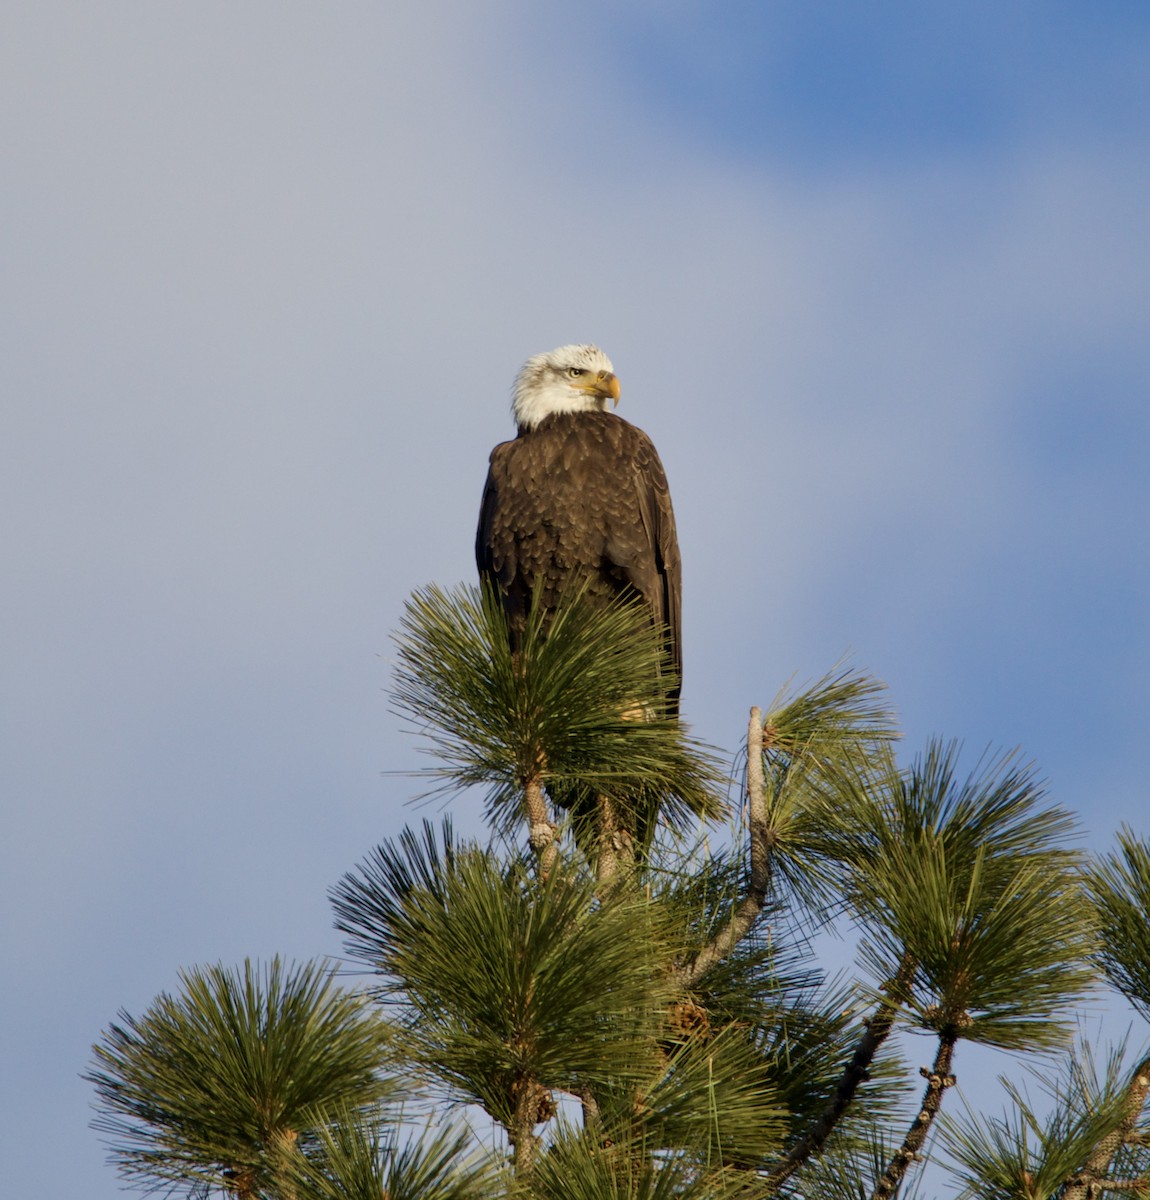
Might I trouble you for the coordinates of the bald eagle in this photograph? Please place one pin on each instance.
(579, 498)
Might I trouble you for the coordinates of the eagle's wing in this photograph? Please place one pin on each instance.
(659, 525)
(494, 541)
(642, 542)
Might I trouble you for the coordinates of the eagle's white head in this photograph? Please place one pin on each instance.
(570, 379)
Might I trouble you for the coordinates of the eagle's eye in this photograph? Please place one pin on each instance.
(575, 372)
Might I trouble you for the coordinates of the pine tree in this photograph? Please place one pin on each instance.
(611, 998)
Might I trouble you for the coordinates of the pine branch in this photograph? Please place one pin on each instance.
(509, 982)
(1091, 1180)
(614, 845)
(750, 907)
(217, 1086)
(1119, 885)
(557, 712)
(530, 1097)
(540, 829)
(938, 1079)
(970, 879)
(855, 1073)
(828, 737)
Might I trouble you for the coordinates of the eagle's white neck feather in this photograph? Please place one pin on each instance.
(560, 381)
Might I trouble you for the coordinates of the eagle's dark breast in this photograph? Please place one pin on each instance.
(582, 498)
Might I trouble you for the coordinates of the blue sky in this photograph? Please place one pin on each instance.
(876, 278)
(836, 86)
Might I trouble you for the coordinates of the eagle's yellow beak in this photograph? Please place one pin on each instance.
(604, 384)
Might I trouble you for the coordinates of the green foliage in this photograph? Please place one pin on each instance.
(851, 1167)
(698, 889)
(711, 1097)
(768, 987)
(1032, 1153)
(220, 1085)
(579, 1166)
(1120, 887)
(971, 879)
(639, 1011)
(354, 1158)
(503, 977)
(807, 1043)
(843, 717)
(1000, 803)
(823, 747)
(572, 992)
(578, 706)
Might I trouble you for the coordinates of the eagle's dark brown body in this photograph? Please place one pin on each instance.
(582, 497)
